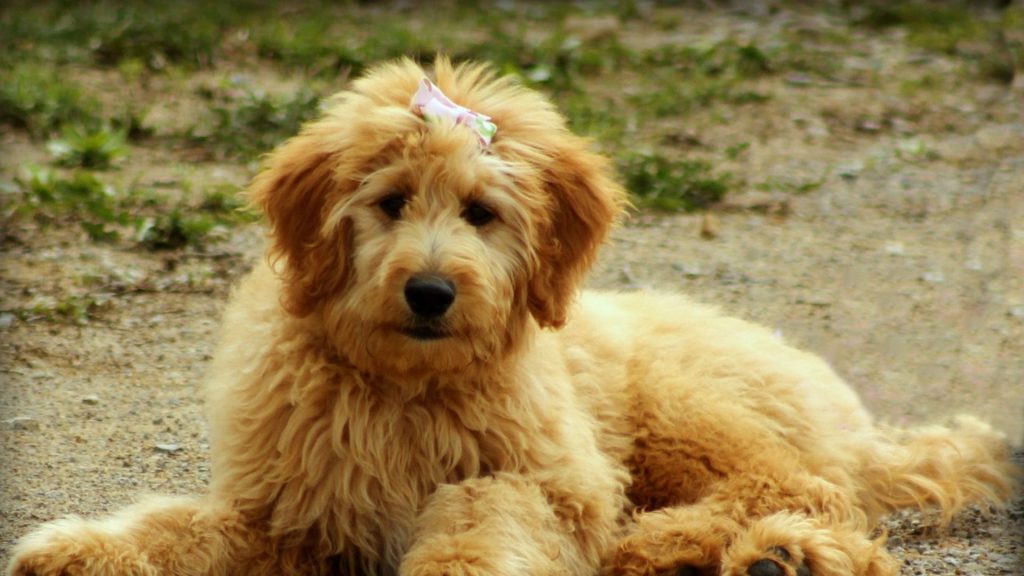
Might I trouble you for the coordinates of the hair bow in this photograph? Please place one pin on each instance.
(432, 104)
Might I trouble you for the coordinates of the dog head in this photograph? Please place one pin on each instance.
(420, 251)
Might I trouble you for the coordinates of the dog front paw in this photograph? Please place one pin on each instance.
(678, 541)
(793, 544)
(72, 547)
(778, 562)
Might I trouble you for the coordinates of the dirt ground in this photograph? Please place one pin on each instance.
(904, 268)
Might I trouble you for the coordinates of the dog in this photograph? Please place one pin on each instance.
(413, 383)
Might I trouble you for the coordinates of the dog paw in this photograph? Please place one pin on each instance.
(778, 562)
(46, 564)
(72, 547)
(678, 541)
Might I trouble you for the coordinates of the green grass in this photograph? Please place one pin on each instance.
(991, 44)
(107, 214)
(51, 197)
(251, 122)
(96, 148)
(106, 33)
(69, 309)
(36, 98)
(668, 184)
(327, 46)
(607, 87)
(936, 26)
(174, 230)
(688, 78)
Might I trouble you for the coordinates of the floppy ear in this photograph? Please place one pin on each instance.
(295, 190)
(585, 202)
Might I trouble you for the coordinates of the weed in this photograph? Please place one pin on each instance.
(925, 82)
(82, 197)
(174, 230)
(586, 116)
(70, 309)
(331, 45)
(88, 148)
(132, 124)
(992, 47)
(676, 96)
(187, 226)
(256, 122)
(736, 150)
(34, 97)
(694, 77)
(555, 63)
(724, 59)
(939, 27)
(792, 186)
(226, 205)
(186, 33)
(663, 183)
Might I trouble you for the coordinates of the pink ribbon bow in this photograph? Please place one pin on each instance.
(432, 104)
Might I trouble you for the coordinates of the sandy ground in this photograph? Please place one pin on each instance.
(904, 268)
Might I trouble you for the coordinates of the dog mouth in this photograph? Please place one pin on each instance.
(425, 332)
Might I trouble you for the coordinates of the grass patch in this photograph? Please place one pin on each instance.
(96, 148)
(327, 46)
(253, 121)
(675, 185)
(106, 214)
(70, 309)
(691, 77)
(590, 117)
(82, 197)
(35, 98)
(935, 26)
(106, 33)
(791, 185)
(174, 230)
(992, 46)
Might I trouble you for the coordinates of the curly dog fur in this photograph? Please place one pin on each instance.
(412, 384)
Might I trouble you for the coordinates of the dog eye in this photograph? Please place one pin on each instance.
(392, 205)
(477, 214)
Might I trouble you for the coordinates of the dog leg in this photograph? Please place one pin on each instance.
(793, 544)
(179, 536)
(503, 525)
(778, 524)
(683, 540)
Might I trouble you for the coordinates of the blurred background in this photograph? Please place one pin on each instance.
(850, 174)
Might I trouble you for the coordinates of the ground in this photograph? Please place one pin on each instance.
(872, 213)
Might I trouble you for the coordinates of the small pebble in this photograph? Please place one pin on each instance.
(894, 248)
(23, 423)
(168, 448)
(91, 400)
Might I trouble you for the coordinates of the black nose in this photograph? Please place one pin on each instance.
(429, 296)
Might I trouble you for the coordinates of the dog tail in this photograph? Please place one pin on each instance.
(941, 467)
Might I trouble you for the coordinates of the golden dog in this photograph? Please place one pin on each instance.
(412, 384)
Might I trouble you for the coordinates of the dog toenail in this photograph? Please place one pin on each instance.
(687, 571)
(781, 553)
(765, 567)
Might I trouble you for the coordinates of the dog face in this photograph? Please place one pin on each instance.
(418, 251)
